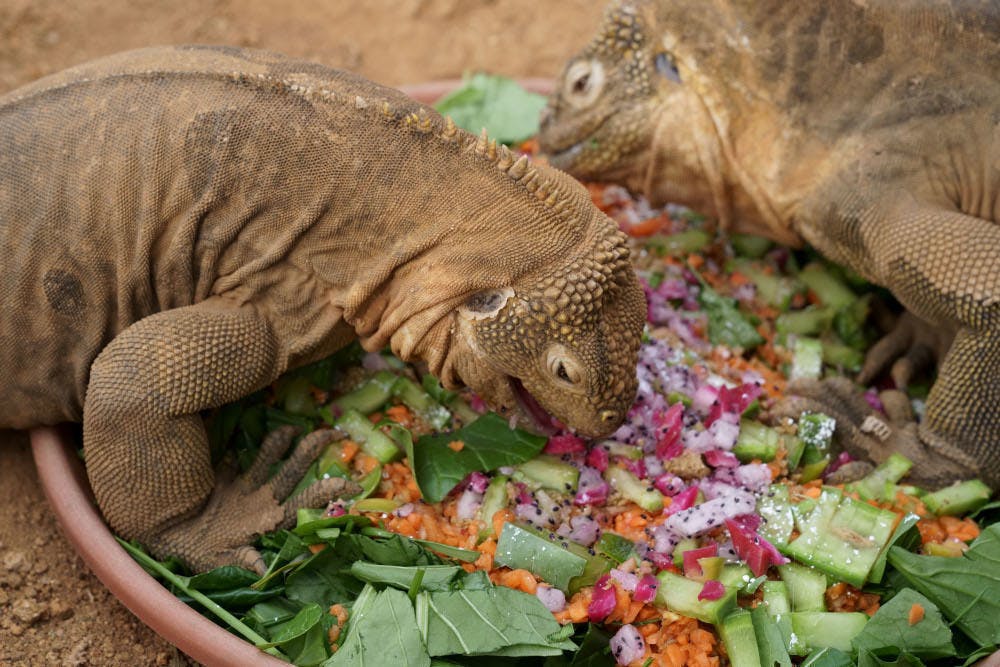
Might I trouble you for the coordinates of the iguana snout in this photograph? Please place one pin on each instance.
(562, 346)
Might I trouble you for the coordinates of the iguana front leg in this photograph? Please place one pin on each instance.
(146, 448)
(943, 265)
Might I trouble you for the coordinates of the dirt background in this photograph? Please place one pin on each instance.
(53, 611)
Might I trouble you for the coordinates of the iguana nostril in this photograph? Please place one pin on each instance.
(609, 416)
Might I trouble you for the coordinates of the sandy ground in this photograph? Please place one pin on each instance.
(52, 610)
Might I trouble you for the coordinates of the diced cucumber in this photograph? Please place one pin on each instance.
(615, 548)
(842, 356)
(369, 396)
(816, 429)
(849, 323)
(807, 359)
(829, 288)
(843, 538)
(630, 452)
(734, 575)
(566, 565)
(795, 447)
(879, 483)
(422, 403)
(494, 500)
(372, 441)
(958, 499)
(810, 321)
(819, 629)
(812, 466)
(548, 472)
(776, 598)
(646, 497)
(686, 544)
(806, 587)
(773, 289)
(679, 244)
(680, 594)
(756, 441)
(776, 511)
(749, 245)
(738, 635)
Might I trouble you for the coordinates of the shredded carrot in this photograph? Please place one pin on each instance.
(813, 492)
(348, 448)
(916, 614)
(401, 415)
(365, 463)
(316, 548)
(456, 445)
(648, 227)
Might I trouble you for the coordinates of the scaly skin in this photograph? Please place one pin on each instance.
(866, 129)
(181, 225)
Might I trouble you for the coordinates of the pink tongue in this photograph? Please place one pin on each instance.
(543, 419)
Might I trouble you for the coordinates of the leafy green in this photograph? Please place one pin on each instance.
(382, 632)
(498, 620)
(489, 443)
(966, 589)
(594, 651)
(324, 579)
(869, 659)
(507, 111)
(889, 631)
(770, 643)
(726, 324)
(434, 578)
(828, 657)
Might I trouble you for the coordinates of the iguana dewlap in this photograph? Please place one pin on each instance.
(181, 225)
(868, 129)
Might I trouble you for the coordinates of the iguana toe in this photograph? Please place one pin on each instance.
(243, 507)
(910, 347)
(868, 434)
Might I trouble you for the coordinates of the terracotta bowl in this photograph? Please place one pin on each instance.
(65, 484)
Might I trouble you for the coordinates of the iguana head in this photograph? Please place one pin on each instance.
(560, 343)
(622, 112)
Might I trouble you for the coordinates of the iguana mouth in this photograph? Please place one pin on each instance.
(544, 422)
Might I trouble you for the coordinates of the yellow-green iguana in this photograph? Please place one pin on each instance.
(181, 225)
(869, 129)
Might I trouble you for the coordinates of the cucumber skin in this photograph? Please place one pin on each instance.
(827, 629)
(806, 587)
(371, 440)
(958, 499)
(548, 472)
(680, 594)
(740, 640)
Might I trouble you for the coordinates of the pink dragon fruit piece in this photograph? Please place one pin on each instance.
(565, 443)
(712, 590)
(603, 601)
(692, 568)
(758, 553)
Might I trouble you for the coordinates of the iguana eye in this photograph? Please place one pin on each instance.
(667, 68)
(584, 82)
(561, 364)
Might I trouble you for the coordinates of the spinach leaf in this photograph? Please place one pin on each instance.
(497, 621)
(828, 657)
(726, 324)
(382, 632)
(324, 579)
(594, 651)
(869, 659)
(394, 550)
(507, 111)
(296, 626)
(435, 577)
(770, 643)
(889, 631)
(488, 444)
(966, 589)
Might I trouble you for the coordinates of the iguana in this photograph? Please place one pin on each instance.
(181, 225)
(866, 128)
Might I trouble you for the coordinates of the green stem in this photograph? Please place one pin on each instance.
(178, 581)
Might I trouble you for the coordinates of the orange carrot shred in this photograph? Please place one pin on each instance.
(916, 614)
(456, 445)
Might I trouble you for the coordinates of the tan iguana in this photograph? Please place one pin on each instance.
(867, 128)
(181, 225)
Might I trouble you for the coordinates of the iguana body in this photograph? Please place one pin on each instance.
(180, 226)
(867, 129)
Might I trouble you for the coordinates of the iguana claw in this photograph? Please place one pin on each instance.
(911, 346)
(868, 434)
(240, 508)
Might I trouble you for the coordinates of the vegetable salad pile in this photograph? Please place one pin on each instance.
(697, 534)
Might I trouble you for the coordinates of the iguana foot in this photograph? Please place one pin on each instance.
(240, 508)
(911, 346)
(867, 434)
